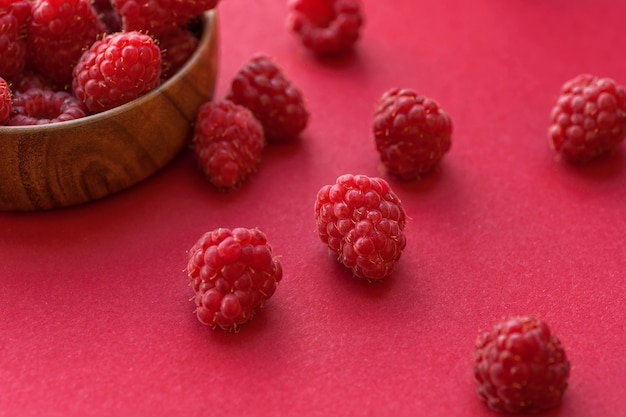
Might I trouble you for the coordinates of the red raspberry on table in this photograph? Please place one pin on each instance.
(6, 104)
(12, 42)
(58, 33)
(412, 133)
(37, 107)
(362, 221)
(232, 272)
(589, 118)
(117, 69)
(276, 102)
(177, 47)
(326, 27)
(520, 367)
(228, 142)
(159, 16)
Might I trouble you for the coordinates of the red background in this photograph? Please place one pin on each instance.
(94, 302)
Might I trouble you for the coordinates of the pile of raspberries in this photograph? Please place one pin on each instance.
(66, 59)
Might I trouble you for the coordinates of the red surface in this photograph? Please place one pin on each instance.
(94, 303)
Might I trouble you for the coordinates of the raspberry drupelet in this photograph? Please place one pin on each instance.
(362, 220)
(520, 367)
(232, 272)
(228, 143)
(261, 86)
(588, 119)
(412, 133)
(326, 27)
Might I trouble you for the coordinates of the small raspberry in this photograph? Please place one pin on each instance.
(362, 221)
(232, 273)
(520, 367)
(589, 118)
(37, 107)
(326, 27)
(58, 33)
(159, 16)
(6, 104)
(117, 69)
(12, 43)
(261, 86)
(176, 48)
(412, 133)
(228, 142)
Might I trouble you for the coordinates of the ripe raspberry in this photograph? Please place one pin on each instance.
(362, 221)
(261, 86)
(412, 133)
(159, 16)
(37, 107)
(326, 27)
(117, 69)
(228, 142)
(232, 273)
(58, 33)
(176, 48)
(589, 118)
(12, 43)
(520, 367)
(5, 102)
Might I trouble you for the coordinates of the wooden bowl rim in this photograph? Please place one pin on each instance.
(208, 20)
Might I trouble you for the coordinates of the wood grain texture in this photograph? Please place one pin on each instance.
(69, 163)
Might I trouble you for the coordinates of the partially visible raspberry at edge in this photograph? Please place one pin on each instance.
(362, 221)
(232, 272)
(412, 133)
(6, 104)
(520, 367)
(227, 142)
(588, 119)
(326, 27)
(117, 69)
(39, 106)
(261, 86)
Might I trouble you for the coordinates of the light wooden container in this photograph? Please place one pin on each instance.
(69, 163)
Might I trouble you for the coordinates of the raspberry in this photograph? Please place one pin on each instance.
(5, 102)
(28, 79)
(362, 221)
(589, 118)
(232, 273)
(261, 86)
(37, 107)
(58, 33)
(159, 16)
(117, 69)
(228, 142)
(412, 133)
(326, 27)
(12, 43)
(520, 367)
(177, 47)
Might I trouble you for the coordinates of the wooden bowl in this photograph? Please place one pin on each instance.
(69, 163)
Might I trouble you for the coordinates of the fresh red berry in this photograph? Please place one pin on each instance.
(37, 107)
(177, 46)
(12, 42)
(6, 104)
(232, 272)
(58, 33)
(520, 367)
(228, 142)
(276, 102)
(412, 133)
(326, 27)
(159, 16)
(362, 221)
(116, 70)
(589, 118)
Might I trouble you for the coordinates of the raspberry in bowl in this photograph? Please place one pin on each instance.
(72, 162)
